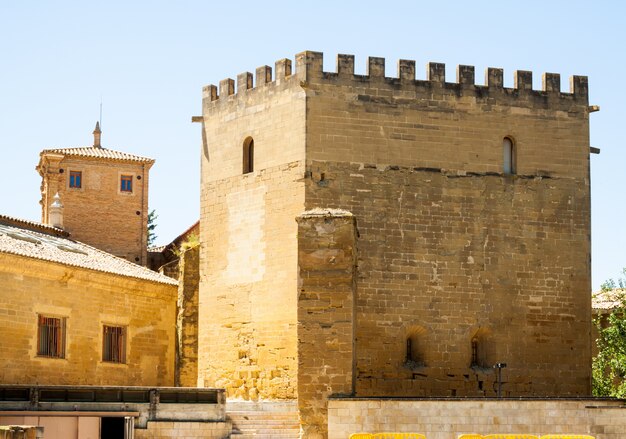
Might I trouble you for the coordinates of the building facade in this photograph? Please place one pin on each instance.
(75, 315)
(373, 236)
(104, 193)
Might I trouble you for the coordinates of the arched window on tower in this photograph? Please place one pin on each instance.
(248, 155)
(509, 156)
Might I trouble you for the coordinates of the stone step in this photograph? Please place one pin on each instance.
(264, 421)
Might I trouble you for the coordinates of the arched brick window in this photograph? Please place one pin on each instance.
(248, 155)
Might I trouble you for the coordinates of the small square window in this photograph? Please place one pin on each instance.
(114, 344)
(126, 183)
(51, 337)
(76, 179)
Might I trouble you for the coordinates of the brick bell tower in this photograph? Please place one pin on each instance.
(104, 195)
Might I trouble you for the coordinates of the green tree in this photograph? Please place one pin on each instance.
(152, 236)
(609, 366)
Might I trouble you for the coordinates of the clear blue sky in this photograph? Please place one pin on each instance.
(149, 61)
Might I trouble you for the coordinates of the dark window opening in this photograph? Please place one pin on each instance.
(248, 155)
(112, 428)
(76, 179)
(51, 337)
(126, 183)
(114, 344)
(414, 357)
(474, 351)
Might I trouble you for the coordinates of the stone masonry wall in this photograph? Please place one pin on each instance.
(451, 258)
(326, 296)
(248, 268)
(187, 318)
(87, 300)
(451, 249)
(99, 214)
(447, 419)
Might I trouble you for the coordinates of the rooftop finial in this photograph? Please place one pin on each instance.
(96, 136)
(55, 216)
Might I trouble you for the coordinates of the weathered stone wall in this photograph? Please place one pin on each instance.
(447, 419)
(87, 299)
(98, 213)
(450, 248)
(187, 318)
(248, 269)
(326, 295)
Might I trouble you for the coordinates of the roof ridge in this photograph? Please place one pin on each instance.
(100, 152)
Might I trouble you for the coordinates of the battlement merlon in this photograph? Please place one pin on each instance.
(309, 68)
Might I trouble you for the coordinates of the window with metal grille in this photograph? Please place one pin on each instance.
(126, 183)
(51, 337)
(114, 344)
(76, 179)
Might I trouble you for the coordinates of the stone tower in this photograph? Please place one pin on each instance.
(377, 236)
(104, 195)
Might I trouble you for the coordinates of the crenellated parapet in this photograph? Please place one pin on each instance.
(309, 70)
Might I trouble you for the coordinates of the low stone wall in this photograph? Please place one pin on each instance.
(185, 430)
(20, 432)
(448, 418)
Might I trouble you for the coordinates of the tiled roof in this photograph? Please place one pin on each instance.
(101, 153)
(32, 225)
(48, 247)
(606, 300)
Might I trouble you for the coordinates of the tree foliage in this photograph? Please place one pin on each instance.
(609, 366)
(152, 236)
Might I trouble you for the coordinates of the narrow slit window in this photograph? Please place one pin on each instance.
(248, 155)
(114, 344)
(474, 352)
(51, 337)
(509, 155)
(76, 179)
(126, 183)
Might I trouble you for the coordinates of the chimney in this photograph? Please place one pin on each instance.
(55, 213)
(96, 136)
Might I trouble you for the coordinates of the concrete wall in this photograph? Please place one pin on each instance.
(248, 269)
(451, 249)
(98, 213)
(446, 419)
(87, 300)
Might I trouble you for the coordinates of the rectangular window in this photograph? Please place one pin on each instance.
(114, 344)
(51, 337)
(126, 183)
(76, 179)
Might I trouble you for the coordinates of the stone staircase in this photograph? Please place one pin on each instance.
(263, 420)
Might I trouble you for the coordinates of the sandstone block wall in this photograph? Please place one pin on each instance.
(87, 300)
(326, 296)
(447, 419)
(459, 264)
(187, 318)
(248, 269)
(450, 248)
(99, 214)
